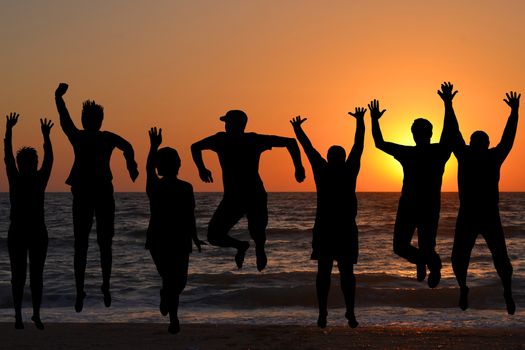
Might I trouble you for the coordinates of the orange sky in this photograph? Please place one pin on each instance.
(180, 65)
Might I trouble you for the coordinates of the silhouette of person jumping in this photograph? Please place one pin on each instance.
(27, 233)
(91, 185)
(172, 224)
(478, 184)
(335, 229)
(244, 194)
(419, 205)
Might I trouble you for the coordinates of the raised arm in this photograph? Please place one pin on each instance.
(311, 153)
(387, 147)
(207, 143)
(129, 155)
(155, 139)
(354, 157)
(66, 123)
(451, 135)
(9, 159)
(509, 134)
(47, 163)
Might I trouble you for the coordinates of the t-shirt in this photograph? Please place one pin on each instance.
(239, 158)
(423, 168)
(92, 157)
(172, 220)
(478, 177)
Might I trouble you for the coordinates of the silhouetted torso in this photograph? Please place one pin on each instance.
(26, 194)
(336, 199)
(239, 158)
(423, 168)
(478, 178)
(92, 158)
(172, 220)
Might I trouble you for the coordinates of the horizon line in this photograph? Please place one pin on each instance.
(523, 191)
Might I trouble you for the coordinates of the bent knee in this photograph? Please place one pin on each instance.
(400, 249)
(214, 240)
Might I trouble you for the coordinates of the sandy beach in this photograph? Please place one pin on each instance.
(204, 336)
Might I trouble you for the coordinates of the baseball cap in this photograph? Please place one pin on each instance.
(235, 116)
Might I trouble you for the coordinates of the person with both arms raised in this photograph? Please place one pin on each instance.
(335, 230)
(420, 202)
(27, 233)
(478, 183)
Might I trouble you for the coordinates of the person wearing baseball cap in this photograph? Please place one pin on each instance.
(239, 153)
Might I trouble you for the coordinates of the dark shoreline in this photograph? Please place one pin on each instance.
(210, 336)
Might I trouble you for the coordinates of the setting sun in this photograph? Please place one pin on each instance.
(180, 65)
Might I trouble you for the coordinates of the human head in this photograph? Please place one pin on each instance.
(235, 121)
(92, 115)
(168, 162)
(336, 156)
(479, 140)
(421, 131)
(27, 160)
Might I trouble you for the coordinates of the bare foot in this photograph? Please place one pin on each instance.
(241, 252)
(38, 322)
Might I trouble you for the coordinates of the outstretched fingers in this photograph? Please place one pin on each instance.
(46, 123)
(375, 113)
(45, 126)
(513, 99)
(297, 121)
(155, 136)
(11, 119)
(446, 91)
(359, 112)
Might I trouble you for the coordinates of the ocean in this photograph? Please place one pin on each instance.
(284, 293)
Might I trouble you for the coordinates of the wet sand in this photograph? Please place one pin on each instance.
(209, 336)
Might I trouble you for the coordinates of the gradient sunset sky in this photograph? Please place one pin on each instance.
(179, 65)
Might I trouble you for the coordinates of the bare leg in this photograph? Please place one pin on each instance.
(496, 242)
(403, 232)
(346, 273)
(17, 258)
(105, 213)
(37, 260)
(228, 213)
(322, 283)
(83, 211)
(464, 240)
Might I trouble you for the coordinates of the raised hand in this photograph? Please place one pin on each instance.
(11, 120)
(513, 99)
(205, 175)
(297, 121)
(61, 89)
(359, 112)
(45, 126)
(155, 137)
(446, 93)
(375, 113)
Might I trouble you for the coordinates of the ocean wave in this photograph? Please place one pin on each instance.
(482, 297)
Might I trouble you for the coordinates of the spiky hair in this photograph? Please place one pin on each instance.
(91, 107)
(26, 153)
